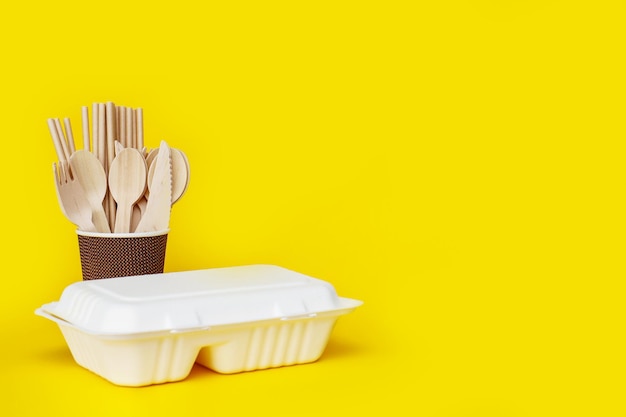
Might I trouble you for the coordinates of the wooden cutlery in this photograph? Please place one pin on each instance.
(157, 214)
(114, 184)
(86, 169)
(127, 183)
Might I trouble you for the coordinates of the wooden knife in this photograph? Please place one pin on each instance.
(157, 215)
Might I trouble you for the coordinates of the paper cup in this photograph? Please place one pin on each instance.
(109, 255)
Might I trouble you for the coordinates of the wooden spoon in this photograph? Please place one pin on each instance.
(180, 174)
(151, 155)
(143, 201)
(90, 174)
(127, 183)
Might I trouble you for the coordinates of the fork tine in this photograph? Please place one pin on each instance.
(64, 173)
(56, 173)
(59, 189)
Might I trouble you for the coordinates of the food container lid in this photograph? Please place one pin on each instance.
(181, 301)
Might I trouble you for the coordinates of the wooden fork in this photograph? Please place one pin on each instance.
(72, 200)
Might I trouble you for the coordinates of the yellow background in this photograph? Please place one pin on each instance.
(457, 165)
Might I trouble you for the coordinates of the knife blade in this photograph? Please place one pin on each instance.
(157, 215)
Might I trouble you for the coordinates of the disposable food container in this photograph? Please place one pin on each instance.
(150, 329)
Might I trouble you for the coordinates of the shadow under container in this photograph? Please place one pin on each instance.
(111, 255)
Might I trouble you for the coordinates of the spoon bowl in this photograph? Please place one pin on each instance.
(180, 174)
(127, 183)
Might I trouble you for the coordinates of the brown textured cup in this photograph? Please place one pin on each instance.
(110, 255)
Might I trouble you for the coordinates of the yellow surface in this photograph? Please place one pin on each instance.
(457, 165)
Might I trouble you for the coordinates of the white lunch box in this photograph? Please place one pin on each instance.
(150, 329)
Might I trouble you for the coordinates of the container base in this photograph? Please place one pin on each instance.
(156, 359)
